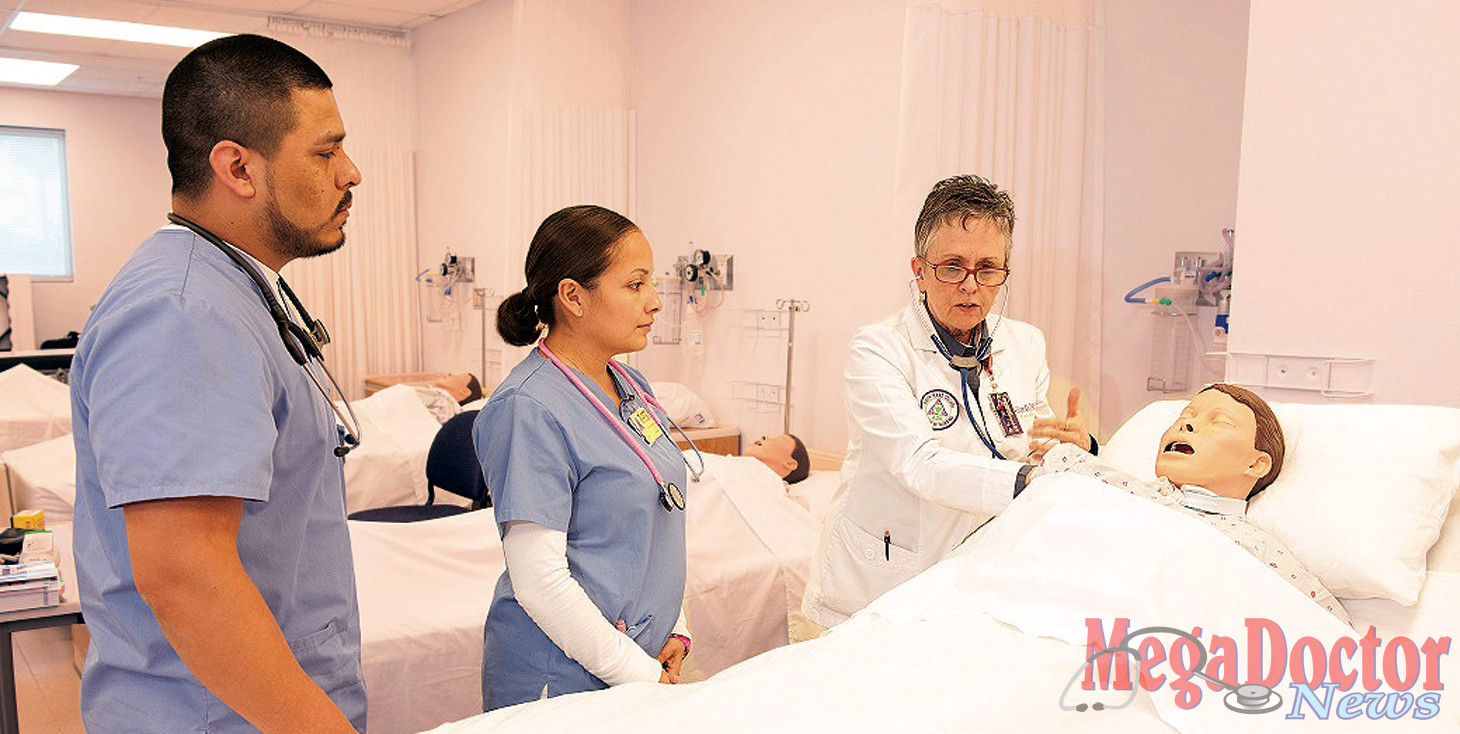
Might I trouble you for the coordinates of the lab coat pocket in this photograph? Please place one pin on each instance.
(863, 566)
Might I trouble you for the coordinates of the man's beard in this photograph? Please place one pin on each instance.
(295, 242)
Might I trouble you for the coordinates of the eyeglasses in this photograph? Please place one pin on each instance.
(956, 274)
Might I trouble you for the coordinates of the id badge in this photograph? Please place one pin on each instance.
(1004, 410)
(644, 424)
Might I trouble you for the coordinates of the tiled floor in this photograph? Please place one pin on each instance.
(47, 687)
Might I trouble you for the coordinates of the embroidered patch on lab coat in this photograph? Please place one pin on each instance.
(941, 408)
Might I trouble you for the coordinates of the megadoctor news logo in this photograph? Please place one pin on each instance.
(1346, 681)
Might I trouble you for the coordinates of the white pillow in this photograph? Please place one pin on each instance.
(683, 405)
(1362, 496)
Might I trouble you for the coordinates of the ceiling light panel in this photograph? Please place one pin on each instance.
(115, 30)
(39, 73)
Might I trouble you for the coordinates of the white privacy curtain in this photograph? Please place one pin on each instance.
(365, 292)
(1013, 91)
(573, 135)
(563, 156)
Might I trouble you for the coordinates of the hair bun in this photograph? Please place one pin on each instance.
(517, 320)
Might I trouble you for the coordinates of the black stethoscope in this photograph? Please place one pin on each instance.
(963, 365)
(301, 343)
(1249, 698)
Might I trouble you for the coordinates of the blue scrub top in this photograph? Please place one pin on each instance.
(181, 387)
(549, 457)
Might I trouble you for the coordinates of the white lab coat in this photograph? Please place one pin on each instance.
(925, 488)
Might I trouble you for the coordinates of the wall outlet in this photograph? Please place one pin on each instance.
(1300, 373)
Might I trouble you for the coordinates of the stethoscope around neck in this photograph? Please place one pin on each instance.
(302, 344)
(670, 497)
(964, 364)
(1248, 698)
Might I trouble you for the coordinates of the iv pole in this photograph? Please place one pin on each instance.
(793, 306)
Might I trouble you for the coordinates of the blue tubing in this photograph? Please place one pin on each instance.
(1131, 297)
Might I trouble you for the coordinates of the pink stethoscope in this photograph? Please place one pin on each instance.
(669, 495)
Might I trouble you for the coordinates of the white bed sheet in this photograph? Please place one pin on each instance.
(816, 493)
(749, 548)
(388, 468)
(33, 408)
(988, 639)
(424, 592)
(425, 589)
(43, 477)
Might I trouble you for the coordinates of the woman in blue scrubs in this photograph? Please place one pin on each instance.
(585, 479)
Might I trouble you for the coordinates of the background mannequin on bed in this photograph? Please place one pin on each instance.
(445, 396)
(1225, 448)
(784, 454)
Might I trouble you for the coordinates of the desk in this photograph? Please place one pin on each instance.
(68, 612)
(712, 440)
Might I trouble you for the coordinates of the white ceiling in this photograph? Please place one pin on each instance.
(139, 69)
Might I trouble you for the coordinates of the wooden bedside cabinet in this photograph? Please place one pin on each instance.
(713, 440)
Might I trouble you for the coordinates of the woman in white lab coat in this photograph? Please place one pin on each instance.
(943, 404)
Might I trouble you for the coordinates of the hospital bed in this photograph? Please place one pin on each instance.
(389, 467)
(425, 588)
(995, 637)
(33, 408)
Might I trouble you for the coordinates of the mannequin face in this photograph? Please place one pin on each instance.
(1211, 445)
(457, 384)
(775, 452)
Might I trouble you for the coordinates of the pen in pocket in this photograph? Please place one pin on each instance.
(887, 544)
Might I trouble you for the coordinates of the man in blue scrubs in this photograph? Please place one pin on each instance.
(213, 557)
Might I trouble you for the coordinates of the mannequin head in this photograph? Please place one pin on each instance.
(784, 454)
(1226, 440)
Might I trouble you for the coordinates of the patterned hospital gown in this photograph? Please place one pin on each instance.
(1269, 550)
(438, 401)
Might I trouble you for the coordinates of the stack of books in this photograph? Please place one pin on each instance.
(29, 585)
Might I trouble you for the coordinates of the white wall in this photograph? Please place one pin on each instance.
(1173, 121)
(117, 170)
(1350, 172)
(117, 165)
(463, 94)
(767, 130)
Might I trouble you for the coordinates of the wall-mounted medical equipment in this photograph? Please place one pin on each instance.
(669, 324)
(1197, 279)
(702, 273)
(706, 270)
(767, 397)
(486, 300)
(1346, 378)
(440, 285)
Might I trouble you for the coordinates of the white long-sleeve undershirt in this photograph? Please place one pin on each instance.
(537, 563)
